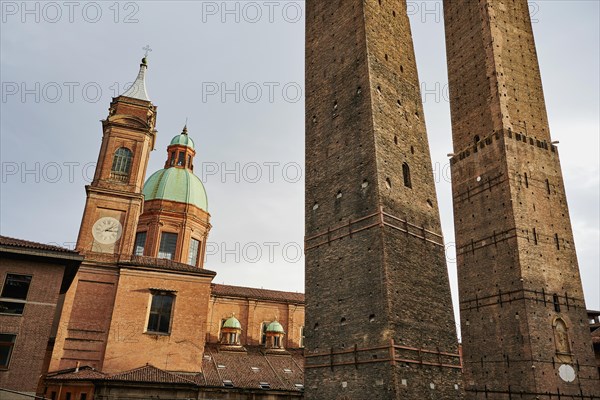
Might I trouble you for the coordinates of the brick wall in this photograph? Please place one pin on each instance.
(33, 327)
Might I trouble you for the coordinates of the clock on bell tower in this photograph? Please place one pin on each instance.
(114, 198)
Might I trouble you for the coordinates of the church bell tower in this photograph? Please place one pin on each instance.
(114, 198)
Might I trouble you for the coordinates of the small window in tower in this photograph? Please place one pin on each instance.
(168, 244)
(189, 163)
(406, 175)
(161, 308)
(535, 237)
(526, 180)
(556, 303)
(140, 244)
(121, 164)
(193, 253)
(302, 337)
(557, 241)
(548, 186)
(172, 159)
(181, 159)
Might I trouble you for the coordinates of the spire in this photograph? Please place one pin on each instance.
(138, 88)
(184, 131)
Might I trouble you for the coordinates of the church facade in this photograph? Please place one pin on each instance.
(142, 310)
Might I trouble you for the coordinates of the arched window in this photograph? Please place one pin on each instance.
(406, 175)
(121, 163)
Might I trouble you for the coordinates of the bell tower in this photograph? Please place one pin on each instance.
(524, 327)
(108, 228)
(114, 198)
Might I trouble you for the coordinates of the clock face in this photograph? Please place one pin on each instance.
(107, 230)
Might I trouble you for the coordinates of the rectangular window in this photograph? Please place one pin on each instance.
(140, 243)
(7, 343)
(168, 244)
(193, 254)
(302, 337)
(15, 287)
(263, 332)
(160, 313)
(52, 395)
(68, 397)
(181, 158)
(83, 396)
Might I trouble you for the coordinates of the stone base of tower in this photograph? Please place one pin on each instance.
(383, 372)
(506, 394)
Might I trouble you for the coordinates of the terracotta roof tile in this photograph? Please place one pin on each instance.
(254, 293)
(13, 242)
(151, 374)
(165, 264)
(84, 373)
(247, 369)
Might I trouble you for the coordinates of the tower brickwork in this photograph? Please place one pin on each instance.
(108, 228)
(379, 319)
(523, 314)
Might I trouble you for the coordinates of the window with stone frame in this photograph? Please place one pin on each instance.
(121, 165)
(161, 312)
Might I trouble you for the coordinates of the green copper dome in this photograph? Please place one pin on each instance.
(183, 139)
(233, 323)
(176, 184)
(275, 327)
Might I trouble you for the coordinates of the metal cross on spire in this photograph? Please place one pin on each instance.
(147, 49)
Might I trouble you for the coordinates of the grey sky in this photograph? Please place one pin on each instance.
(199, 49)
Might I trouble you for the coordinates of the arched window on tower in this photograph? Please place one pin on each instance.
(121, 164)
(406, 175)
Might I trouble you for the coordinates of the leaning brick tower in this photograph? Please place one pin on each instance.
(379, 319)
(525, 333)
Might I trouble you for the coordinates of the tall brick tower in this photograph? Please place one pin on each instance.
(523, 315)
(108, 227)
(379, 312)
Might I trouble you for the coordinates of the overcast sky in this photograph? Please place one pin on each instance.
(236, 71)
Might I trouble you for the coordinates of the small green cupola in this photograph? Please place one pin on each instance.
(181, 151)
(275, 334)
(231, 330)
(183, 139)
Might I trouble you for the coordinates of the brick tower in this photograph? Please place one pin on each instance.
(108, 227)
(379, 311)
(523, 315)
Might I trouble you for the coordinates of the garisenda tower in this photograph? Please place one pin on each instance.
(524, 327)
